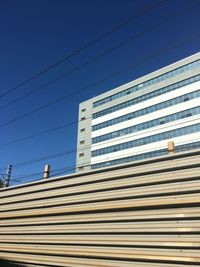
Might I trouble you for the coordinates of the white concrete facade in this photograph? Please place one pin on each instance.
(175, 107)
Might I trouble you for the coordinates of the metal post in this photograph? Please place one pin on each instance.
(8, 175)
(1, 183)
(46, 171)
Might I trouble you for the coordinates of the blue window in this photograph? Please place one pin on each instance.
(146, 97)
(147, 110)
(147, 140)
(155, 80)
(147, 155)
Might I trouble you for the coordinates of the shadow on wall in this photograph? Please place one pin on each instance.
(5, 263)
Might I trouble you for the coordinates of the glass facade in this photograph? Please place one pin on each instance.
(143, 85)
(147, 140)
(147, 155)
(146, 97)
(147, 125)
(147, 110)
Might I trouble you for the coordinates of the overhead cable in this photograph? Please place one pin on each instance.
(84, 47)
(140, 34)
(191, 38)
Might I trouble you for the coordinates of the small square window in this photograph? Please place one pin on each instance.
(81, 168)
(162, 122)
(82, 142)
(82, 130)
(83, 118)
(83, 110)
(81, 155)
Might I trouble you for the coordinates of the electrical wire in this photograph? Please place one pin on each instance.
(42, 132)
(64, 170)
(99, 81)
(84, 47)
(99, 56)
(24, 176)
(45, 132)
(67, 152)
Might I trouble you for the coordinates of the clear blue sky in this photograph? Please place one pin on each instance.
(35, 34)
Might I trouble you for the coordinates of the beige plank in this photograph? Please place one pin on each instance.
(130, 181)
(174, 226)
(150, 239)
(177, 213)
(120, 253)
(135, 203)
(144, 190)
(75, 179)
(75, 262)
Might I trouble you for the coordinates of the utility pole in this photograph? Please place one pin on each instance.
(1, 183)
(8, 175)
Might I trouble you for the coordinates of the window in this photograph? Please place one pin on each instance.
(162, 122)
(83, 110)
(147, 140)
(81, 155)
(189, 114)
(82, 142)
(145, 155)
(160, 91)
(186, 98)
(157, 79)
(81, 168)
(82, 130)
(83, 118)
(141, 112)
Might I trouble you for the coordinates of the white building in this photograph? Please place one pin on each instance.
(136, 120)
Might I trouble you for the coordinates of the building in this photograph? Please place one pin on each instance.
(136, 120)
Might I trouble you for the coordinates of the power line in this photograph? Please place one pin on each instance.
(41, 133)
(69, 169)
(84, 47)
(19, 177)
(24, 176)
(99, 81)
(54, 172)
(66, 152)
(98, 57)
(64, 170)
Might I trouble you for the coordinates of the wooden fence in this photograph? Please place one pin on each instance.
(145, 214)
